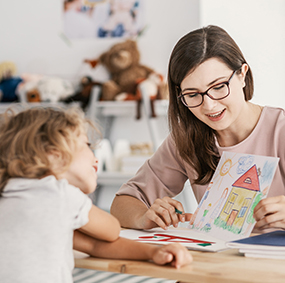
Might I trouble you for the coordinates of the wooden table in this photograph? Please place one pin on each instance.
(223, 267)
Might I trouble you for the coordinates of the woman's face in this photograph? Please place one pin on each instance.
(218, 114)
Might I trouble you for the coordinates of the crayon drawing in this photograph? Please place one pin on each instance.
(238, 184)
(191, 239)
(172, 238)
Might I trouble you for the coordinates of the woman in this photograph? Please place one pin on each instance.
(210, 85)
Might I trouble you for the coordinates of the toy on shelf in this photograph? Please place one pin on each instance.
(39, 88)
(122, 61)
(9, 82)
(83, 94)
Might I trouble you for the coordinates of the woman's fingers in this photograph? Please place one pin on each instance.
(165, 212)
(270, 213)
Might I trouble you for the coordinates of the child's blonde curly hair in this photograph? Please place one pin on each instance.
(27, 138)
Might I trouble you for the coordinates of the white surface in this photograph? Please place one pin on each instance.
(258, 27)
(31, 36)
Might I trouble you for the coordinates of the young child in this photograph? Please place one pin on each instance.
(46, 171)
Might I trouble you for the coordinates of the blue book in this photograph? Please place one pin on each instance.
(268, 245)
(267, 240)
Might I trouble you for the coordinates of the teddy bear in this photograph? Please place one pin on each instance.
(122, 61)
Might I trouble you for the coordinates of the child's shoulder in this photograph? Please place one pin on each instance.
(45, 186)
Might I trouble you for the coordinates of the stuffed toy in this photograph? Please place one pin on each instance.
(9, 82)
(38, 88)
(53, 89)
(155, 88)
(83, 93)
(123, 64)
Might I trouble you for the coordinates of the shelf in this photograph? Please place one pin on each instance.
(25, 105)
(127, 108)
(113, 178)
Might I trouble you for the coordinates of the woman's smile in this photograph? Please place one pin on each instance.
(217, 116)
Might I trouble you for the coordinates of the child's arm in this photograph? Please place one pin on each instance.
(123, 248)
(101, 225)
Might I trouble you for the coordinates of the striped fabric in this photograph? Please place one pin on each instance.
(93, 276)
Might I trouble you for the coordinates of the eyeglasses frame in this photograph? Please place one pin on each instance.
(206, 92)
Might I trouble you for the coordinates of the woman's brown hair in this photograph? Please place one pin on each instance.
(195, 141)
(27, 138)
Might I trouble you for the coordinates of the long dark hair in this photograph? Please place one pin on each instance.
(195, 141)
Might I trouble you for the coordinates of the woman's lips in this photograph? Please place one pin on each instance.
(216, 116)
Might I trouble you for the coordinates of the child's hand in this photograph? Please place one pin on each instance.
(175, 254)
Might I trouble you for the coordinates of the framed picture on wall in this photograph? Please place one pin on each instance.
(102, 18)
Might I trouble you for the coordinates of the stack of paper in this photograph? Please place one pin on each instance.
(268, 245)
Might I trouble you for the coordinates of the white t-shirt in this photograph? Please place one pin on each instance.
(37, 220)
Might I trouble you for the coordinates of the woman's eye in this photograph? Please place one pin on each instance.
(89, 144)
(218, 87)
(190, 95)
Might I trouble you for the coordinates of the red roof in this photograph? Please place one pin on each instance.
(249, 180)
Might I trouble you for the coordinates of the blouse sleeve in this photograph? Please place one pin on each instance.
(164, 174)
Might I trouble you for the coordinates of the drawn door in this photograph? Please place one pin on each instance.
(232, 217)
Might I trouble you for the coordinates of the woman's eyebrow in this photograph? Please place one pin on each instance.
(214, 81)
(208, 85)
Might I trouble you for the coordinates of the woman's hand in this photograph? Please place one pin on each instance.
(270, 213)
(175, 254)
(162, 213)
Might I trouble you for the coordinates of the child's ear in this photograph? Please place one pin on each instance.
(55, 160)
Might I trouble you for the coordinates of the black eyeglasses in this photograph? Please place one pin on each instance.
(216, 92)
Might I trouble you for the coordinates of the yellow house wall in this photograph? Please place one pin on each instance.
(242, 194)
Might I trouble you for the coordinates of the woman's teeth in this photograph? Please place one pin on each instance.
(216, 115)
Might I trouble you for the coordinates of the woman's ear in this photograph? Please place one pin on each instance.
(244, 69)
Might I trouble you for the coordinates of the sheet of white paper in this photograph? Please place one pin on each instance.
(193, 240)
(238, 184)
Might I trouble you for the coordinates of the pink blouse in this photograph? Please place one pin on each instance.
(165, 173)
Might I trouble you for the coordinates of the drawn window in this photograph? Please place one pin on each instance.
(248, 180)
(230, 203)
(244, 207)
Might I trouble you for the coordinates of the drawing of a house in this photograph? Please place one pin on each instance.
(239, 201)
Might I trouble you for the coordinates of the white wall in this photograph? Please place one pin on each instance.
(30, 35)
(258, 27)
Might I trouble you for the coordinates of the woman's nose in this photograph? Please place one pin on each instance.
(208, 103)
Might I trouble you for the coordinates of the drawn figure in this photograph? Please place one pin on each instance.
(217, 207)
(226, 167)
(224, 170)
(200, 224)
(200, 204)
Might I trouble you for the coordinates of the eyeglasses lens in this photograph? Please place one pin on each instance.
(216, 92)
